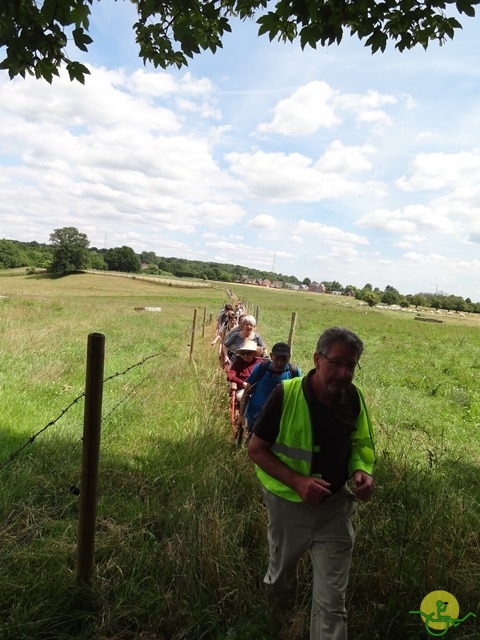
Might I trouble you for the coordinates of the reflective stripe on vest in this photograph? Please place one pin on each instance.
(291, 452)
(294, 443)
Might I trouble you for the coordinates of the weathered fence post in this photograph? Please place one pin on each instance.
(91, 455)
(204, 321)
(257, 313)
(293, 324)
(192, 341)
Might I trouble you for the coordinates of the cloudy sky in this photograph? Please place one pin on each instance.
(333, 164)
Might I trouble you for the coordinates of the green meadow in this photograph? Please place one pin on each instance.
(181, 530)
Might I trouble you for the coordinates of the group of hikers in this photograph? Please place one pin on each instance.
(251, 370)
(310, 438)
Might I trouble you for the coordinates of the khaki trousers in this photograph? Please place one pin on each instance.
(326, 532)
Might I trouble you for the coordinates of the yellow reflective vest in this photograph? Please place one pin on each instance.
(294, 444)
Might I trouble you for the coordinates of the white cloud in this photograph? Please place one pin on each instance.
(474, 236)
(367, 107)
(316, 106)
(409, 241)
(234, 161)
(309, 108)
(408, 221)
(340, 158)
(328, 234)
(262, 221)
(440, 170)
(281, 177)
(123, 162)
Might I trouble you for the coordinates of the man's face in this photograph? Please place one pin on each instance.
(335, 370)
(248, 356)
(279, 362)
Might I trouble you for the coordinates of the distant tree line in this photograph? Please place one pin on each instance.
(391, 296)
(69, 251)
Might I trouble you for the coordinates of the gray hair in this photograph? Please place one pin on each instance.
(250, 319)
(339, 334)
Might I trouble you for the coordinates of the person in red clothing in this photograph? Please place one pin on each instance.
(243, 366)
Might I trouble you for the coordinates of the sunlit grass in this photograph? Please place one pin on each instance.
(181, 541)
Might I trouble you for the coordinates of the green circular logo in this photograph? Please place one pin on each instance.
(441, 607)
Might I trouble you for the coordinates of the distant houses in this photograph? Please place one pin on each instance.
(261, 282)
(278, 284)
(317, 287)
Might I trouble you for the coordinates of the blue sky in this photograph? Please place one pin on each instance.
(332, 164)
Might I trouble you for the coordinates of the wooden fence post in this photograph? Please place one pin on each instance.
(293, 324)
(204, 321)
(257, 313)
(91, 455)
(192, 341)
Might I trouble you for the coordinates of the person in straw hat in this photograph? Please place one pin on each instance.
(243, 365)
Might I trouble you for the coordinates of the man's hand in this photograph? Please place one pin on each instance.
(363, 485)
(312, 490)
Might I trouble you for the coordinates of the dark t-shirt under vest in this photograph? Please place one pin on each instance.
(332, 429)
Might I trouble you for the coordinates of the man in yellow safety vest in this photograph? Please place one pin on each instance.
(314, 435)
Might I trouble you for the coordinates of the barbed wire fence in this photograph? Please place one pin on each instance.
(131, 390)
(64, 478)
(19, 513)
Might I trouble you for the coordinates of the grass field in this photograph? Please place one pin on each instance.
(180, 541)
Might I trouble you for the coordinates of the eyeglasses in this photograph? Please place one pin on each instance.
(338, 364)
(246, 353)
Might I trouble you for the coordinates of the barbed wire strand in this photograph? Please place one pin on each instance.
(73, 488)
(32, 438)
(32, 522)
(14, 455)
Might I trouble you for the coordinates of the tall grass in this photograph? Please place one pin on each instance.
(180, 542)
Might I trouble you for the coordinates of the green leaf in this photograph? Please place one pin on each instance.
(77, 71)
(377, 41)
(63, 12)
(49, 10)
(269, 23)
(309, 35)
(80, 15)
(32, 31)
(81, 39)
(465, 6)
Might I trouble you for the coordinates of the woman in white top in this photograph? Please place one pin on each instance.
(237, 338)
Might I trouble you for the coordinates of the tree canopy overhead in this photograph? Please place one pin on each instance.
(34, 33)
